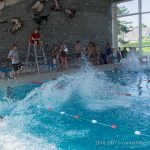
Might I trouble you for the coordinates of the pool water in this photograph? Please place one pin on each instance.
(58, 114)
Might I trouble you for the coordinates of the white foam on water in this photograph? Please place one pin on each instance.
(12, 141)
(95, 92)
(131, 63)
(13, 137)
(77, 133)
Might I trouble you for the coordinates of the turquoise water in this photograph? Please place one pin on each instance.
(33, 119)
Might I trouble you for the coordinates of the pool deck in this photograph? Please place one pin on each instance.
(30, 78)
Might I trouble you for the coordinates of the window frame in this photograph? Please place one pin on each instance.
(140, 13)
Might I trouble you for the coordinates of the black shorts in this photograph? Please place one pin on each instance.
(91, 56)
(78, 55)
(16, 67)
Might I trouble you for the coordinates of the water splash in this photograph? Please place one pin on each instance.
(131, 63)
(93, 90)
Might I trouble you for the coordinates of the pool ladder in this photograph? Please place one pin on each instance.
(39, 55)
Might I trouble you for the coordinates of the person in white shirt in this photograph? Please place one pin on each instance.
(16, 64)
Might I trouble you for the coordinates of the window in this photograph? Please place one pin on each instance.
(131, 25)
(146, 33)
(128, 31)
(127, 8)
(145, 5)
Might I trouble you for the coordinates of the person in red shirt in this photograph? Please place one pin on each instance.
(35, 37)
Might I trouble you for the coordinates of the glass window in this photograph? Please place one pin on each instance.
(127, 25)
(145, 5)
(146, 33)
(129, 7)
(128, 31)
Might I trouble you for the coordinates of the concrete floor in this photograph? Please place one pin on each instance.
(29, 78)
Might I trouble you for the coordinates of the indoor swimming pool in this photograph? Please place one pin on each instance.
(89, 110)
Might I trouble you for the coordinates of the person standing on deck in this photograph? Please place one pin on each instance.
(16, 64)
(78, 51)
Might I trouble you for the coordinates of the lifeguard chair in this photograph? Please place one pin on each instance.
(36, 50)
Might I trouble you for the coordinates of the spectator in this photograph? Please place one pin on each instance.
(102, 56)
(55, 57)
(96, 55)
(108, 53)
(91, 52)
(119, 56)
(78, 51)
(85, 52)
(35, 37)
(64, 57)
(124, 52)
(16, 64)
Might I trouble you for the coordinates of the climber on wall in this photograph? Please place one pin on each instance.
(17, 24)
(38, 7)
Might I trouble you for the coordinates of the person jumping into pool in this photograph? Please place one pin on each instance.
(16, 64)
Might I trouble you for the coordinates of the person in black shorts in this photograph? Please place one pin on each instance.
(78, 51)
(63, 57)
(16, 64)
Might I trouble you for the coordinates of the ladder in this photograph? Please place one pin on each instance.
(39, 55)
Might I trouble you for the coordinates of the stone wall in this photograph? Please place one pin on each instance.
(12, 2)
(92, 22)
